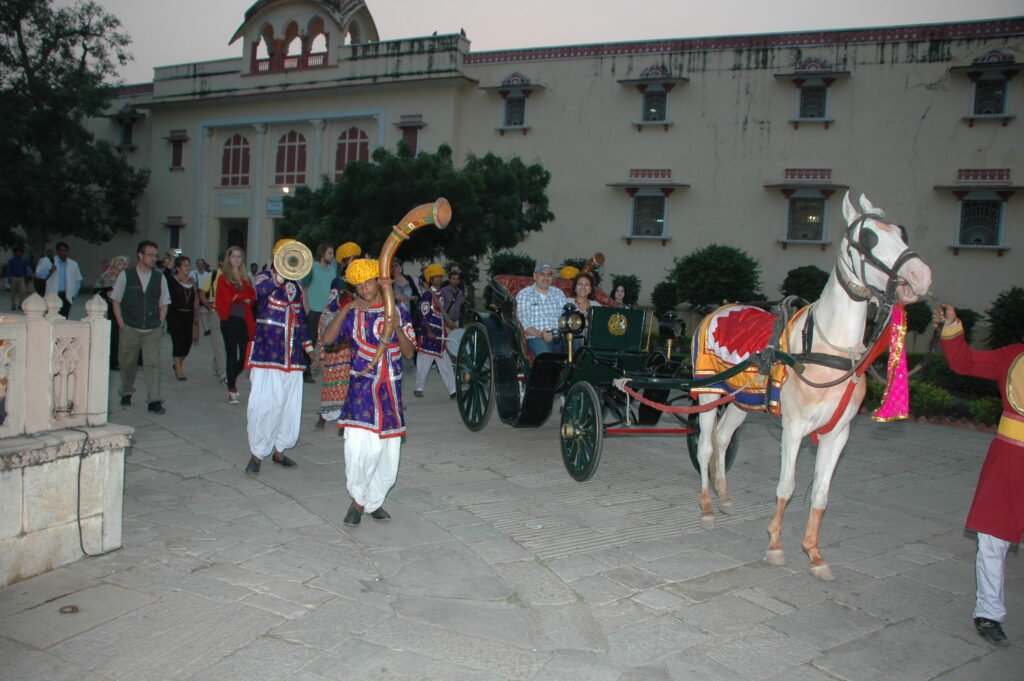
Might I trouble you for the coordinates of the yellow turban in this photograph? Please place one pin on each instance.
(362, 270)
(568, 272)
(278, 245)
(433, 270)
(348, 249)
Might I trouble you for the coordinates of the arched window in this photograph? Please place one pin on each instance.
(291, 159)
(234, 164)
(353, 145)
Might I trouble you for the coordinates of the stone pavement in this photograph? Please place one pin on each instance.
(497, 565)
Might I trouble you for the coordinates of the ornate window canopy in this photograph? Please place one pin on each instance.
(994, 63)
(812, 69)
(514, 82)
(654, 75)
(806, 178)
(981, 179)
(649, 178)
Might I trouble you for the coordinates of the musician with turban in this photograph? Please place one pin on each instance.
(997, 511)
(433, 334)
(277, 358)
(372, 412)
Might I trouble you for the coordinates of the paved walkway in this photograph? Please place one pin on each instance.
(497, 565)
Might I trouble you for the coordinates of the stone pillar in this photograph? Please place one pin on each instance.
(254, 248)
(316, 166)
(99, 361)
(206, 172)
(38, 346)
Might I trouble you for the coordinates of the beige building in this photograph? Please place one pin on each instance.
(655, 148)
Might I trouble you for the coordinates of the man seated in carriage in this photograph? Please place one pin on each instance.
(538, 307)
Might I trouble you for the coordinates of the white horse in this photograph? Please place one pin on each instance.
(873, 264)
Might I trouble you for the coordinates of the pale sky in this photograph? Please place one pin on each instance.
(184, 31)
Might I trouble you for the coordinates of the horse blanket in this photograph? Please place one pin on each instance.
(728, 336)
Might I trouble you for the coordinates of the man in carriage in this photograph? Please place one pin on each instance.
(538, 307)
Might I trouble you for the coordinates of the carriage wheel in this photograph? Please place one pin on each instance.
(474, 377)
(691, 443)
(582, 431)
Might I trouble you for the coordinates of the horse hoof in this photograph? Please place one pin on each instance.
(823, 572)
(775, 556)
(725, 507)
(707, 522)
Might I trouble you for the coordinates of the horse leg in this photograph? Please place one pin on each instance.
(783, 492)
(829, 449)
(705, 448)
(726, 428)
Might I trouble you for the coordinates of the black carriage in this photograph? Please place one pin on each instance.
(496, 370)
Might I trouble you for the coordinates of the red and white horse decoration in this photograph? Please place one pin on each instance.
(873, 264)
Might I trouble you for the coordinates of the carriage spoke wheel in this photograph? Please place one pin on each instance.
(474, 377)
(691, 444)
(582, 431)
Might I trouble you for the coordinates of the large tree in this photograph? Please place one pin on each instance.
(495, 203)
(55, 178)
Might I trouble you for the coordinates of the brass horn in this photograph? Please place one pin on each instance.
(595, 262)
(293, 260)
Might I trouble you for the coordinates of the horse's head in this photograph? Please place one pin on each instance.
(874, 257)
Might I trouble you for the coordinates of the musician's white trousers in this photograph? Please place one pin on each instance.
(371, 466)
(444, 367)
(274, 410)
(990, 567)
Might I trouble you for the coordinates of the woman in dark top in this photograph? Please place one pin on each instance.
(182, 321)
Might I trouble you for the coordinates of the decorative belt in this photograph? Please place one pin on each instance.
(1011, 429)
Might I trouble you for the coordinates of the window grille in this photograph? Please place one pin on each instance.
(989, 97)
(649, 216)
(980, 222)
(291, 159)
(813, 100)
(655, 105)
(515, 111)
(234, 166)
(806, 220)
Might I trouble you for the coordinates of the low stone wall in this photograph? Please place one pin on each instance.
(39, 503)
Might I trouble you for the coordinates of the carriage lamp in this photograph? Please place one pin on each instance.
(670, 328)
(571, 323)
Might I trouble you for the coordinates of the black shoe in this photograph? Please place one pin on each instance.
(320, 423)
(284, 461)
(417, 393)
(308, 378)
(453, 396)
(380, 514)
(157, 408)
(115, 367)
(991, 631)
(206, 333)
(353, 517)
(253, 466)
(126, 400)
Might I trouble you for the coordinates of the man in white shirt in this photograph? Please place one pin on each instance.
(538, 307)
(139, 301)
(62, 277)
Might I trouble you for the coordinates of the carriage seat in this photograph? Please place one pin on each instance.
(508, 286)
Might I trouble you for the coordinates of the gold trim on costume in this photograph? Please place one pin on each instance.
(1015, 384)
(1011, 428)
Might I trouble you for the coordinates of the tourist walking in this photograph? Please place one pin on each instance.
(207, 293)
(235, 297)
(316, 288)
(139, 300)
(18, 276)
(182, 322)
(62, 275)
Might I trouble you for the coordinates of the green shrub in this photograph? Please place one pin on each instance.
(508, 262)
(969, 318)
(632, 284)
(664, 297)
(929, 400)
(807, 282)
(873, 396)
(714, 274)
(919, 316)
(987, 410)
(1006, 318)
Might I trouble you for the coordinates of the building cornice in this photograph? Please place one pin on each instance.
(993, 28)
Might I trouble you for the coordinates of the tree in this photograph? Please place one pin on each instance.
(1006, 318)
(495, 203)
(55, 179)
(807, 282)
(715, 274)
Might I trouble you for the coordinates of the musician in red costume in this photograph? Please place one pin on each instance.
(997, 512)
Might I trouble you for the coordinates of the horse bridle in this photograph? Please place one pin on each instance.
(865, 241)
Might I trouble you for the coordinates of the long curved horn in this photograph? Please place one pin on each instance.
(438, 213)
